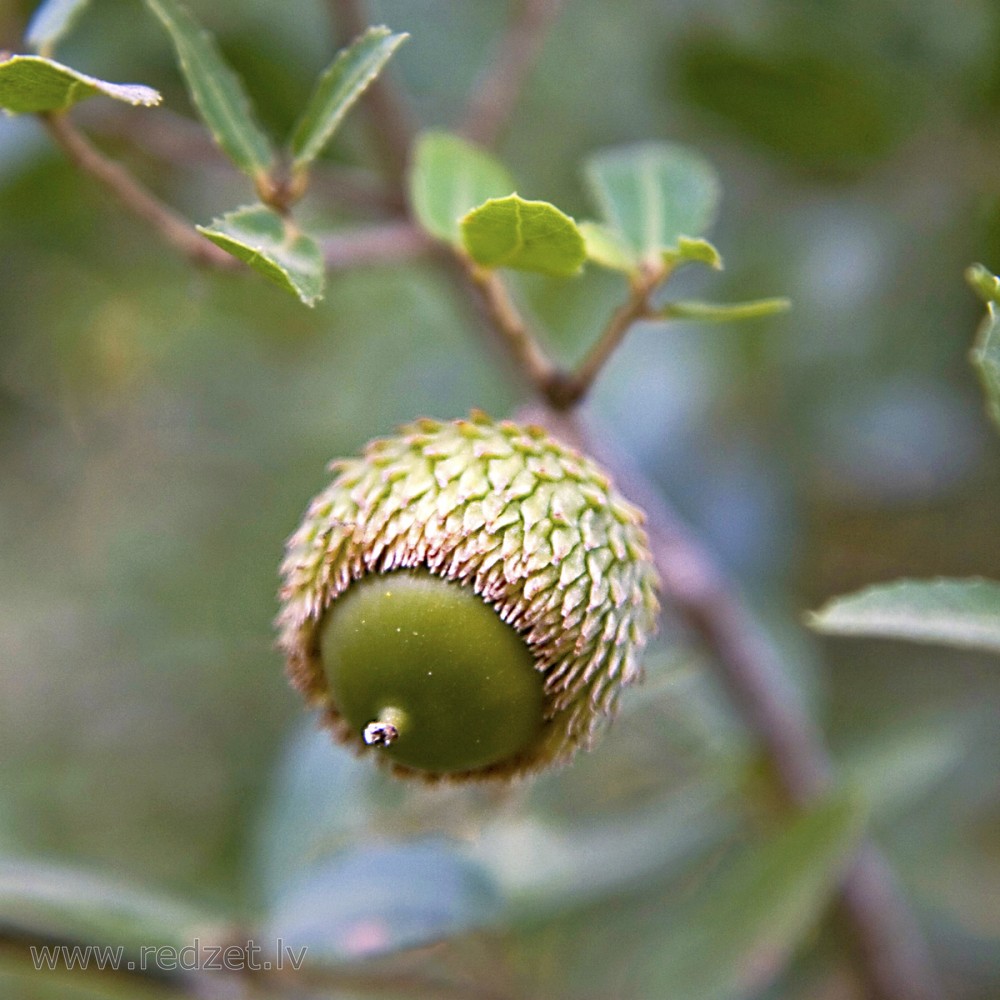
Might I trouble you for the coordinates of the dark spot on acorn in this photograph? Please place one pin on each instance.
(380, 733)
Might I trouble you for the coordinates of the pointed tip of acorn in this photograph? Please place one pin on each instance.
(533, 528)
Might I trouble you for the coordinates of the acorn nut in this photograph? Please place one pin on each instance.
(467, 600)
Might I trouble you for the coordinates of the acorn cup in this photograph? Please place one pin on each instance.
(467, 600)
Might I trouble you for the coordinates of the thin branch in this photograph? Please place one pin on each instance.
(560, 389)
(502, 314)
(185, 144)
(634, 308)
(391, 119)
(176, 230)
(492, 103)
(386, 243)
(892, 955)
(376, 244)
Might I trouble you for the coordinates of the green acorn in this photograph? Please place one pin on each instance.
(467, 599)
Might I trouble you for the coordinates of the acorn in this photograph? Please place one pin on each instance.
(467, 599)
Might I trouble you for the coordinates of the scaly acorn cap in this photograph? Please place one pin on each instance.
(469, 598)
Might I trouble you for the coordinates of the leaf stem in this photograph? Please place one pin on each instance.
(183, 143)
(491, 104)
(141, 202)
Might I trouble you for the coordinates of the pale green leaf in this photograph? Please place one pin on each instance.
(737, 934)
(895, 769)
(986, 352)
(693, 251)
(448, 178)
(343, 82)
(524, 235)
(31, 84)
(653, 194)
(377, 898)
(606, 247)
(953, 612)
(570, 864)
(272, 246)
(57, 901)
(215, 89)
(51, 22)
(983, 282)
(713, 312)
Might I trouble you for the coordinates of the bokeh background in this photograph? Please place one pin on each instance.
(161, 428)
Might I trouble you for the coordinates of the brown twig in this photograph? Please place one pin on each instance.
(504, 318)
(179, 233)
(391, 119)
(384, 243)
(634, 308)
(560, 389)
(182, 142)
(492, 103)
(376, 244)
(892, 957)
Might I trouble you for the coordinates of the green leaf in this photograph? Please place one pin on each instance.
(953, 612)
(895, 769)
(58, 901)
(525, 235)
(653, 194)
(713, 312)
(689, 251)
(272, 246)
(736, 936)
(572, 864)
(986, 352)
(378, 898)
(52, 22)
(448, 178)
(215, 90)
(30, 84)
(606, 247)
(983, 282)
(343, 82)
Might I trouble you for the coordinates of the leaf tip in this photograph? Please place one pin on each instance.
(983, 282)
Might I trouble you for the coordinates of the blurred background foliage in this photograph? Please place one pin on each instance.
(162, 428)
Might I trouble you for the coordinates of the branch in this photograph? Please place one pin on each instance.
(634, 308)
(176, 230)
(185, 144)
(560, 389)
(390, 117)
(492, 103)
(375, 244)
(892, 956)
(503, 317)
